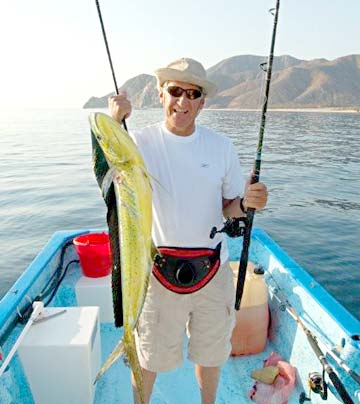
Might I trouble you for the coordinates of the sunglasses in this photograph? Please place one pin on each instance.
(191, 93)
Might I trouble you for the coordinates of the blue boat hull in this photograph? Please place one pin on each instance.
(323, 315)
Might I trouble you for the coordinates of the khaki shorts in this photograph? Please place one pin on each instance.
(208, 315)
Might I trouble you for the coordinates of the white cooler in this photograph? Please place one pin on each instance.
(62, 355)
(96, 292)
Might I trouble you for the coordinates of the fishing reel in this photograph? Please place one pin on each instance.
(233, 227)
(317, 385)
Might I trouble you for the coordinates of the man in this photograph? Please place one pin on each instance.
(197, 180)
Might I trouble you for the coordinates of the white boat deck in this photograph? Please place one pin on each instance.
(175, 387)
(179, 386)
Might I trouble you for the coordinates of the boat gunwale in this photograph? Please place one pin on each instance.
(15, 295)
(18, 291)
(349, 323)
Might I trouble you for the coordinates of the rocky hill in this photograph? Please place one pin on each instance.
(296, 83)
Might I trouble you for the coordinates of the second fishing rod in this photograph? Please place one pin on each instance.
(257, 165)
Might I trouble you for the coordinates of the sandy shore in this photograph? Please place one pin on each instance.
(325, 110)
(332, 110)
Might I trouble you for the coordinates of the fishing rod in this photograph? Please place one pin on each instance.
(101, 168)
(257, 165)
(317, 350)
(108, 53)
(343, 365)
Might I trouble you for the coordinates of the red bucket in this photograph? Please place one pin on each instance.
(94, 254)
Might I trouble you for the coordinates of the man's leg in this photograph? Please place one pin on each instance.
(148, 382)
(210, 326)
(208, 379)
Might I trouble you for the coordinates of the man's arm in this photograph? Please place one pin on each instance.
(231, 208)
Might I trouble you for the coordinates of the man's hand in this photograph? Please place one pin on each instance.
(119, 106)
(255, 196)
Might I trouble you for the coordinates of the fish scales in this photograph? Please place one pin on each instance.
(134, 236)
(132, 189)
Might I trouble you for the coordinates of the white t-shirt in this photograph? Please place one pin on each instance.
(190, 175)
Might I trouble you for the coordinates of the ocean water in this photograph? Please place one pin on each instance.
(310, 164)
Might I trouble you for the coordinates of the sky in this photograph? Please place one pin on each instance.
(52, 52)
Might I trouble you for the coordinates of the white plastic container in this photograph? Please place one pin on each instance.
(96, 292)
(61, 356)
(252, 320)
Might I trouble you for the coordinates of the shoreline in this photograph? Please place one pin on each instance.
(322, 110)
(311, 110)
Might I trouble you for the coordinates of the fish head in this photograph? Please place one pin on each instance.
(116, 144)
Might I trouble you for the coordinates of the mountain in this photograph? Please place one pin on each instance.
(141, 90)
(295, 83)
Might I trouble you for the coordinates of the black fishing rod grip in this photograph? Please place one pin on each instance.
(244, 259)
(340, 388)
(354, 375)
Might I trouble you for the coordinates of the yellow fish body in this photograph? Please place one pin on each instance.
(132, 188)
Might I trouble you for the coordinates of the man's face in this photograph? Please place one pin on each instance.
(180, 112)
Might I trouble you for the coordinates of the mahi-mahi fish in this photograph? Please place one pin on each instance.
(125, 183)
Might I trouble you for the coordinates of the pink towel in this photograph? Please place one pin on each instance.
(280, 391)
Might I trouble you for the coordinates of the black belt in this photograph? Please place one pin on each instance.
(186, 270)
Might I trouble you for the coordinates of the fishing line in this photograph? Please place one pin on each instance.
(108, 53)
(263, 80)
(257, 166)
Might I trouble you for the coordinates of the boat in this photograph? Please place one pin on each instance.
(62, 349)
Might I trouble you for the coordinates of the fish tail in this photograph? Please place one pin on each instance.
(131, 353)
(116, 353)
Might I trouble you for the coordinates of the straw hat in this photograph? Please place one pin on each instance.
(189, 71)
